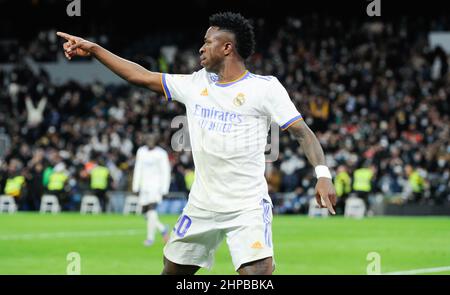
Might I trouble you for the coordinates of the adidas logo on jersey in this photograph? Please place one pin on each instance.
(257, 245)
(204, 92)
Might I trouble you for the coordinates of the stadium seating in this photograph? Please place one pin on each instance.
(132, 205)
(315, 210)
(50, 203)
(176, 206)
(7, 204)
(90, 204)
(391, 127)
(355, 207)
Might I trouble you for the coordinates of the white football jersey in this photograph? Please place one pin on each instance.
(228, 127)
(151, 173)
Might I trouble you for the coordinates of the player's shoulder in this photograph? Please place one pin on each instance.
(192, 76)
(195, 77)
(262, 81)
(265, 79)
(200, 74)
(142, 149)
(160, 149)
(255, 79)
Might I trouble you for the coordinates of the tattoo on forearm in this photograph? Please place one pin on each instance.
(310, 144)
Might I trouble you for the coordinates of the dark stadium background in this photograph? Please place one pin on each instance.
(137, 29)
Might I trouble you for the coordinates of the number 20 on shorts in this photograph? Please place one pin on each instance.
(183, 225)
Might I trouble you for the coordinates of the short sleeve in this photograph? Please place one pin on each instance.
(279, 105)
(177, 87)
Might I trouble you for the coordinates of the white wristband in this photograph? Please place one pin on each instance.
(322, 171)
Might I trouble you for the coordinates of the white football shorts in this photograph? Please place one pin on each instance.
(146, 197)
(198, 233)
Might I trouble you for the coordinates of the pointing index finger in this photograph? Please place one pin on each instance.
(326, 199)
(65, 36)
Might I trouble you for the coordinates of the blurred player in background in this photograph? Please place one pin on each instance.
(151, 179)
(226, 106)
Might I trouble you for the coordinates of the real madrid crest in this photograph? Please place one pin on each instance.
(239, 99)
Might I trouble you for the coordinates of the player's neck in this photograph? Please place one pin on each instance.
(231, 72)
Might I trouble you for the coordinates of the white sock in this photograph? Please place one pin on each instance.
(159, 225)
(151, 226)
(153, 223)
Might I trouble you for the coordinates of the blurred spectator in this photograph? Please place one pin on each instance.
(342, 184)
(372, 92)
(15, 185)
(46, 174)
(189, 178)
(290, 165)
(100, 181)
(35, 113)
(178, 183)
(439, 67)
(320, 112)
(35, 117)
(35, 187)
(57, 184)
(414, 190)
(363, 179)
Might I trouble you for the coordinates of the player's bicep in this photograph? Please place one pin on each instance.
(299, 129)
(153, 81)
(305, 136)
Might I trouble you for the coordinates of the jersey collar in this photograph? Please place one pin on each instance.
(242, 77)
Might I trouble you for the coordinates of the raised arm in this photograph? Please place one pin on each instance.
(325, 192)
(130, 71)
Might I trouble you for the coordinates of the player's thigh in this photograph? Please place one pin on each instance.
(172, 268)
(149, 207)
(263, 266)
(194, 238)
(249, 238)
(148, 198)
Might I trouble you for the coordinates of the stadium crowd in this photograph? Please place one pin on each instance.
(376, 95)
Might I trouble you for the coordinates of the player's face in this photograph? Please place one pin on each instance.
(214, 49)
(151, 141)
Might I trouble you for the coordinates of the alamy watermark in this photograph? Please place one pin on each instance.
(74, 263)
(74, 8)
(374, 266)
(374, 8)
